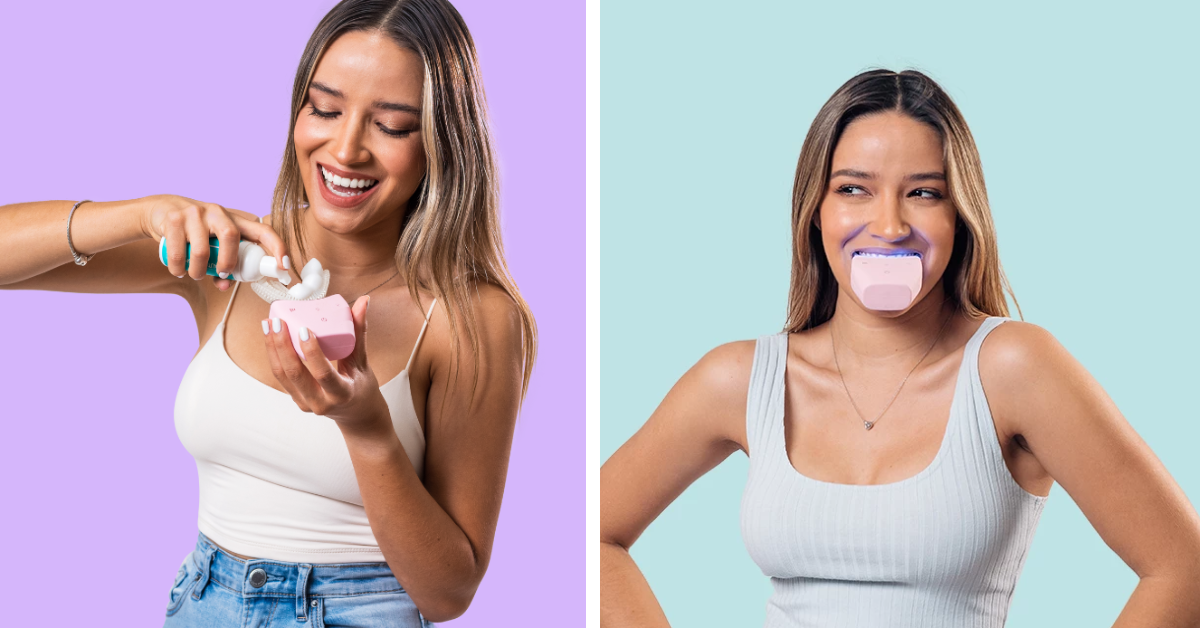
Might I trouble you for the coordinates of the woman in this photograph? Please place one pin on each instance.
(366, 491)
(903, 433)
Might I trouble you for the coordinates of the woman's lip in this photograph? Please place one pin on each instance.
(883, 251)
(340, 201)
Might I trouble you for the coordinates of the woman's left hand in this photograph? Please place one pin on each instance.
(347, 393)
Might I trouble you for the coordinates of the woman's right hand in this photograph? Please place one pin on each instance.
(186, 221)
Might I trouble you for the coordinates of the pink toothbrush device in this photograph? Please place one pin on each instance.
(329, 319)
(886, 283)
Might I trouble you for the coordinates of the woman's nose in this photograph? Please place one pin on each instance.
(889, 224)
(348, 145)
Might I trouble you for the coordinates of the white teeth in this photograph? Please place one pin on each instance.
(346, 183)
(863, 254)
(329, 186)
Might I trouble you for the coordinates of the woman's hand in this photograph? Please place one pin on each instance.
(347, 393)
(186, 221)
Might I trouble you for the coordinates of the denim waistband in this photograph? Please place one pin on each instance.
(304, 581)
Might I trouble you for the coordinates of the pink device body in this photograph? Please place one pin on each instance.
(886, 283)
(329, 319)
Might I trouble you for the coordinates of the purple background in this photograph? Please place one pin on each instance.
(124, 99)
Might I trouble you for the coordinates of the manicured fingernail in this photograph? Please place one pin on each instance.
(368, 304)
(304, 334)
(287, 263)
(224, 275)
(180, 276)
(275, 325)
(266, 329)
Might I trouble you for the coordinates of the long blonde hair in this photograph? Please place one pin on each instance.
(977, 284)
(449, 240)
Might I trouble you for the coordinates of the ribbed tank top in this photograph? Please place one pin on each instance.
(941, 548)
(277, 482)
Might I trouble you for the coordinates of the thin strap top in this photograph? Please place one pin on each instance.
(277, 482)
(941, 548)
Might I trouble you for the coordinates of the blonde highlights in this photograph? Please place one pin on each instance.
(975, 280)
(450, 238)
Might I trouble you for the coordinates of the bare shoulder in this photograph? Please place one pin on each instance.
(496, 349)
(1017, 350)
(713, 393)
(725, 370)
(494, 313)
(1022, 365)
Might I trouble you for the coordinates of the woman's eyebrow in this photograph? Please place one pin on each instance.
(850, 172)
(861, 174)
(327, 89)
(378, 104)
(395, 106)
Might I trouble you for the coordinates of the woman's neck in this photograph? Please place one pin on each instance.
(868, 339)
(351, 259)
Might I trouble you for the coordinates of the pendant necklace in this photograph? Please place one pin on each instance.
(870, 424)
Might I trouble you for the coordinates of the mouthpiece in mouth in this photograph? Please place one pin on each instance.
(886, 283)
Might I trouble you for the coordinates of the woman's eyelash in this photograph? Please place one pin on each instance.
(333, 114)
(849, 190)
(321, 114)
(394, 133)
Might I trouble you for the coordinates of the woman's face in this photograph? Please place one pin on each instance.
(887, 191)
(358, 136)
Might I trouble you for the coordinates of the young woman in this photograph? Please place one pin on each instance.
(903, 435)
(364, 491)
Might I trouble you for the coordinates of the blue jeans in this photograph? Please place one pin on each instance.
(214, 589)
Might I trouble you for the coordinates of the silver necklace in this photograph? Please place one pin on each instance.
(384, 281)
(870, 424)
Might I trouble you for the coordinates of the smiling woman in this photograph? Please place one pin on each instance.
(903, 433)
(369, 487)
(362, 64)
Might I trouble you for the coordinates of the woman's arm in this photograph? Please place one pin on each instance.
(1077, 434)
(437, 536)
(124, 237)
(34, 238)
(700, 422)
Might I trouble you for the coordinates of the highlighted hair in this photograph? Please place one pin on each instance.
(449, 240)
(975, 282)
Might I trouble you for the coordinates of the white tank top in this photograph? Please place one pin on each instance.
(277, 482)
(943, 547)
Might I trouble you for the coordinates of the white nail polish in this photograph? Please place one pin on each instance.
(304, 334)
(287, 263)
(275, 325)
(266, 329)
(224, 275)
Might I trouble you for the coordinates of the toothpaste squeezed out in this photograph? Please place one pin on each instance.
(312, 279)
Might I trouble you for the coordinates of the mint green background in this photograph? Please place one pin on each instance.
(1086, 121)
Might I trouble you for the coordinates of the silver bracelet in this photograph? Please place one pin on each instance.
(79, 259)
